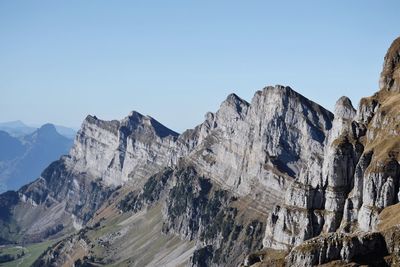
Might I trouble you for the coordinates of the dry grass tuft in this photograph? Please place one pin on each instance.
(389, 217)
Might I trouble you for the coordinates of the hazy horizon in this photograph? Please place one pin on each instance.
(176, 60)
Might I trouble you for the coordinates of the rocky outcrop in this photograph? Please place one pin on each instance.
(390, 76)
(314, 202)
(363, 248)
(196, 209)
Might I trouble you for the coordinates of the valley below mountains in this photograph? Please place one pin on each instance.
(277, 181)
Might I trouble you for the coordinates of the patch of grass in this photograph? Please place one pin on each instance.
(9, 254)
(142, 244)
(32, 252)
(11, 250)
(389, 217)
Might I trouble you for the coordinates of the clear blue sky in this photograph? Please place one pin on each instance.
(176, 60)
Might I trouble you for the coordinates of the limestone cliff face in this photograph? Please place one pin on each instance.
(314, 202)
(255, 149)
(363, 248)
(374, 171)
(120, 151)
(360, 177)
(390, 76)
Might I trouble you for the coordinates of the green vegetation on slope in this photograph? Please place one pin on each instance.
(31, 253)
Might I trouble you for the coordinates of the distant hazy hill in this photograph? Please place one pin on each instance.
(67, 132)
(23, 158)
(18, 129)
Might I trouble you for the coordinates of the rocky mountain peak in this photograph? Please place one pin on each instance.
(279, 98)
(282, 90)
(344, 108)
(110, 126)
(390, 76)
(136, 120)
(277, 89)
(233, 105)
(235, 100)
(120, 151)
(134, 117)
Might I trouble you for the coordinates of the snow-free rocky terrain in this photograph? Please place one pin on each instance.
(274, 182)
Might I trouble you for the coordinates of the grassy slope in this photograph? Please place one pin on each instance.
(137, 240)
(32, 252)
(389, 217)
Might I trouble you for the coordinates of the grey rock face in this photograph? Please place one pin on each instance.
(349, 196)
(359, 177)
(256, 149)
(249, 148)
(336, 246)
(390, 76)
(322, 186)
(121, 151)
(197, 210)
(380, 190)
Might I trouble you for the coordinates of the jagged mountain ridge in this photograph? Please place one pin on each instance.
(220, 184)
(107, 149)
(108, 154)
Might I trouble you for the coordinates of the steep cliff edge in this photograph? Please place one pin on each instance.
(390, 76)
(120, 151)
(360, 178)
(255, 149)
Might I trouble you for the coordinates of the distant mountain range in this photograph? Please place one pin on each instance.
(18, 128)
(26, 151)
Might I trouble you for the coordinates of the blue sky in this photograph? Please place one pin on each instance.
(176, 60)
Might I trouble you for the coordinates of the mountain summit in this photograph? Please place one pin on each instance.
(390, 76)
